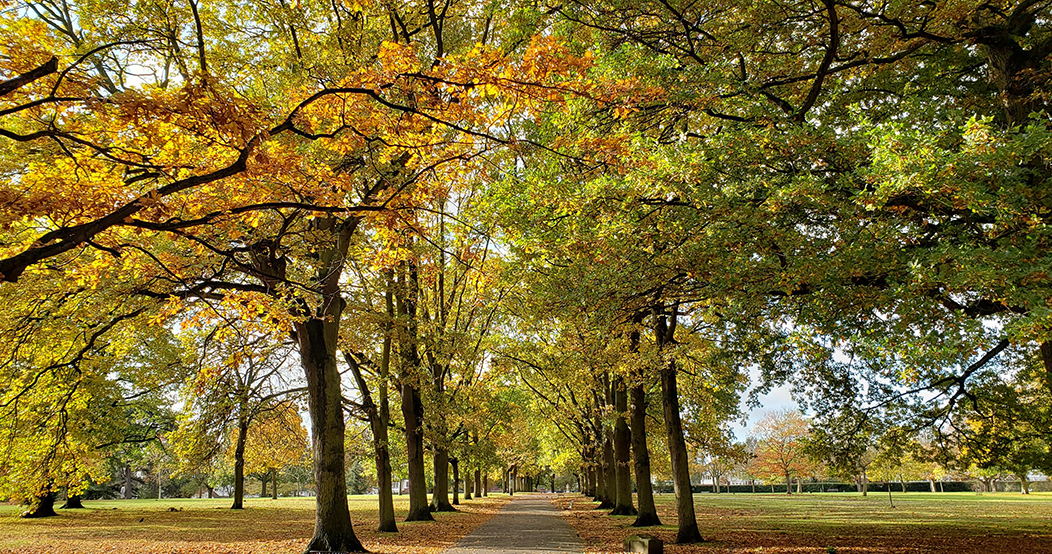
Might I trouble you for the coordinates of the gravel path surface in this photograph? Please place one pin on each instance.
(529, 523)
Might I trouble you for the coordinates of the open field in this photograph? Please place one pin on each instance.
(951, 523)
(183, 526)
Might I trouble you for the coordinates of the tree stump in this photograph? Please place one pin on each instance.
(644, 544)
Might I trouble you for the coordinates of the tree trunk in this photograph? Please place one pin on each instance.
(622, 452)
(274, 483)
(127, 482)
(788, 484)
(379, 415)
(468, 483)
(932, 483)
(440, 494)
(317, 339)
(263, 480)
(1024, 484)
(211, 491)
(687, 531)
(610, 471)
(455, 464)
(753, 483)
(44, 507)
(73, 502)
(479, 491)
(600, 471)
(412, 405)
(239, 464)
(485, 485)
(941, 488)
(412, 412)
(903, 483)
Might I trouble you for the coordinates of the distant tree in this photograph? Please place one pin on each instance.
(781, 437)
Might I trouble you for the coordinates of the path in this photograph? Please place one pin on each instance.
(529, 523)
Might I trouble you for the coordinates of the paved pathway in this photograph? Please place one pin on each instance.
(529, 523)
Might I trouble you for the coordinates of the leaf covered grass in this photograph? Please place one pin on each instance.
(265, 526)
(951, 523)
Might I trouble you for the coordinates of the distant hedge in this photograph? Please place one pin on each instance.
(896, 487)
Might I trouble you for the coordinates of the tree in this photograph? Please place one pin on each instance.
(781, 437)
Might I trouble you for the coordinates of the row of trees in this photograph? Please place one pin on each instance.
(784, 447)
(630, 204)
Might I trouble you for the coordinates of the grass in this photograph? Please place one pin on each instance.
(950, 523)
(208, 525)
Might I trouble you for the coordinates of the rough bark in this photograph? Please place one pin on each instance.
(239, 465)
(412, 412)
(622, 453)
(687, 531)
(485, 485)
(412, 405)
(647, 514)
(609, 472)
(455, 464)
(317, 339)
(440, 494)
(274, 483)
(263, 479)
(479, 491)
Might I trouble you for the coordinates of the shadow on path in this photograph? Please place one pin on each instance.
(529, 523)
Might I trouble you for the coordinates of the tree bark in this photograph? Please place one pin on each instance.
(412, 405)
(609, 472)
(485, 485)
(274, 483)
(263, 480)
(647, 515)
(687, 531)
(73, 502)
(127, 482)
(467, 482)
(317, 339)
(440, 494)
(479, 491)
(239, 464)
(622, 452)
(455, 464)
(412, 412)
(1024, 484)
(44, 507)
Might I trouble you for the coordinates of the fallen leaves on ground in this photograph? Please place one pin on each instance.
(208, 527)
(776, 530)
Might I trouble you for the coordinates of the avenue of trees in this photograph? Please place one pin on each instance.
(504, 241)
